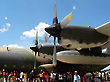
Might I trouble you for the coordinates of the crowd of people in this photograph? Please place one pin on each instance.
(43, 76)
(81, 77)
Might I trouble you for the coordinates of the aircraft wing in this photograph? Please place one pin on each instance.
(104, 29)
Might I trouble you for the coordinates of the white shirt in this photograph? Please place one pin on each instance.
(76, 78)
(21, 75)
(99, 74)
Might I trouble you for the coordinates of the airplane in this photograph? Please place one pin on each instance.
(78, 52)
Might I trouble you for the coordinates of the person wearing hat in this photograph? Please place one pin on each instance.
(76, 77)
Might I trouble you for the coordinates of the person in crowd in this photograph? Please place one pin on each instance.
(8, 79)
(100, 76)
(103, 76)
(25, 77)
(57, 77)
(4, 74)
(31, 75)
(76, 77)
(96, 78)
(14, 76)
(68, 77)
(81, 74)
(17, 74)
(88, 77)
(41, 75)
(47, 78)
(21, 75)
(65, 77)
(84, 77)
(60, 77)
(44, 76)
(7, 75)
(52, 76)
(1, 75)
(108, 76)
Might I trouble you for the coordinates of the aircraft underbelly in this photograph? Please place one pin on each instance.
(75, 44)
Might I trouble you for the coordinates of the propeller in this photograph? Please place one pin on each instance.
(55, 28)
(55, 23)
(36, 49)
(51, 66)
(36, 44)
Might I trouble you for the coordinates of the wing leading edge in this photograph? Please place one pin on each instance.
(104, 29)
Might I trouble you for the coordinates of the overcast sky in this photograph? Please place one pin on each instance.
(19, 19)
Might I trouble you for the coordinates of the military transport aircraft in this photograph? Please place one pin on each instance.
(81, 51)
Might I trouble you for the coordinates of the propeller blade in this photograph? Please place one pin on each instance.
(35, 49)
(36, 43)
(35, 64)
(55, 20)
(66, 20)
(55, 10)
(38, 53)
(35, 60)
(35, 53)
(54, 53)
(47, 37)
